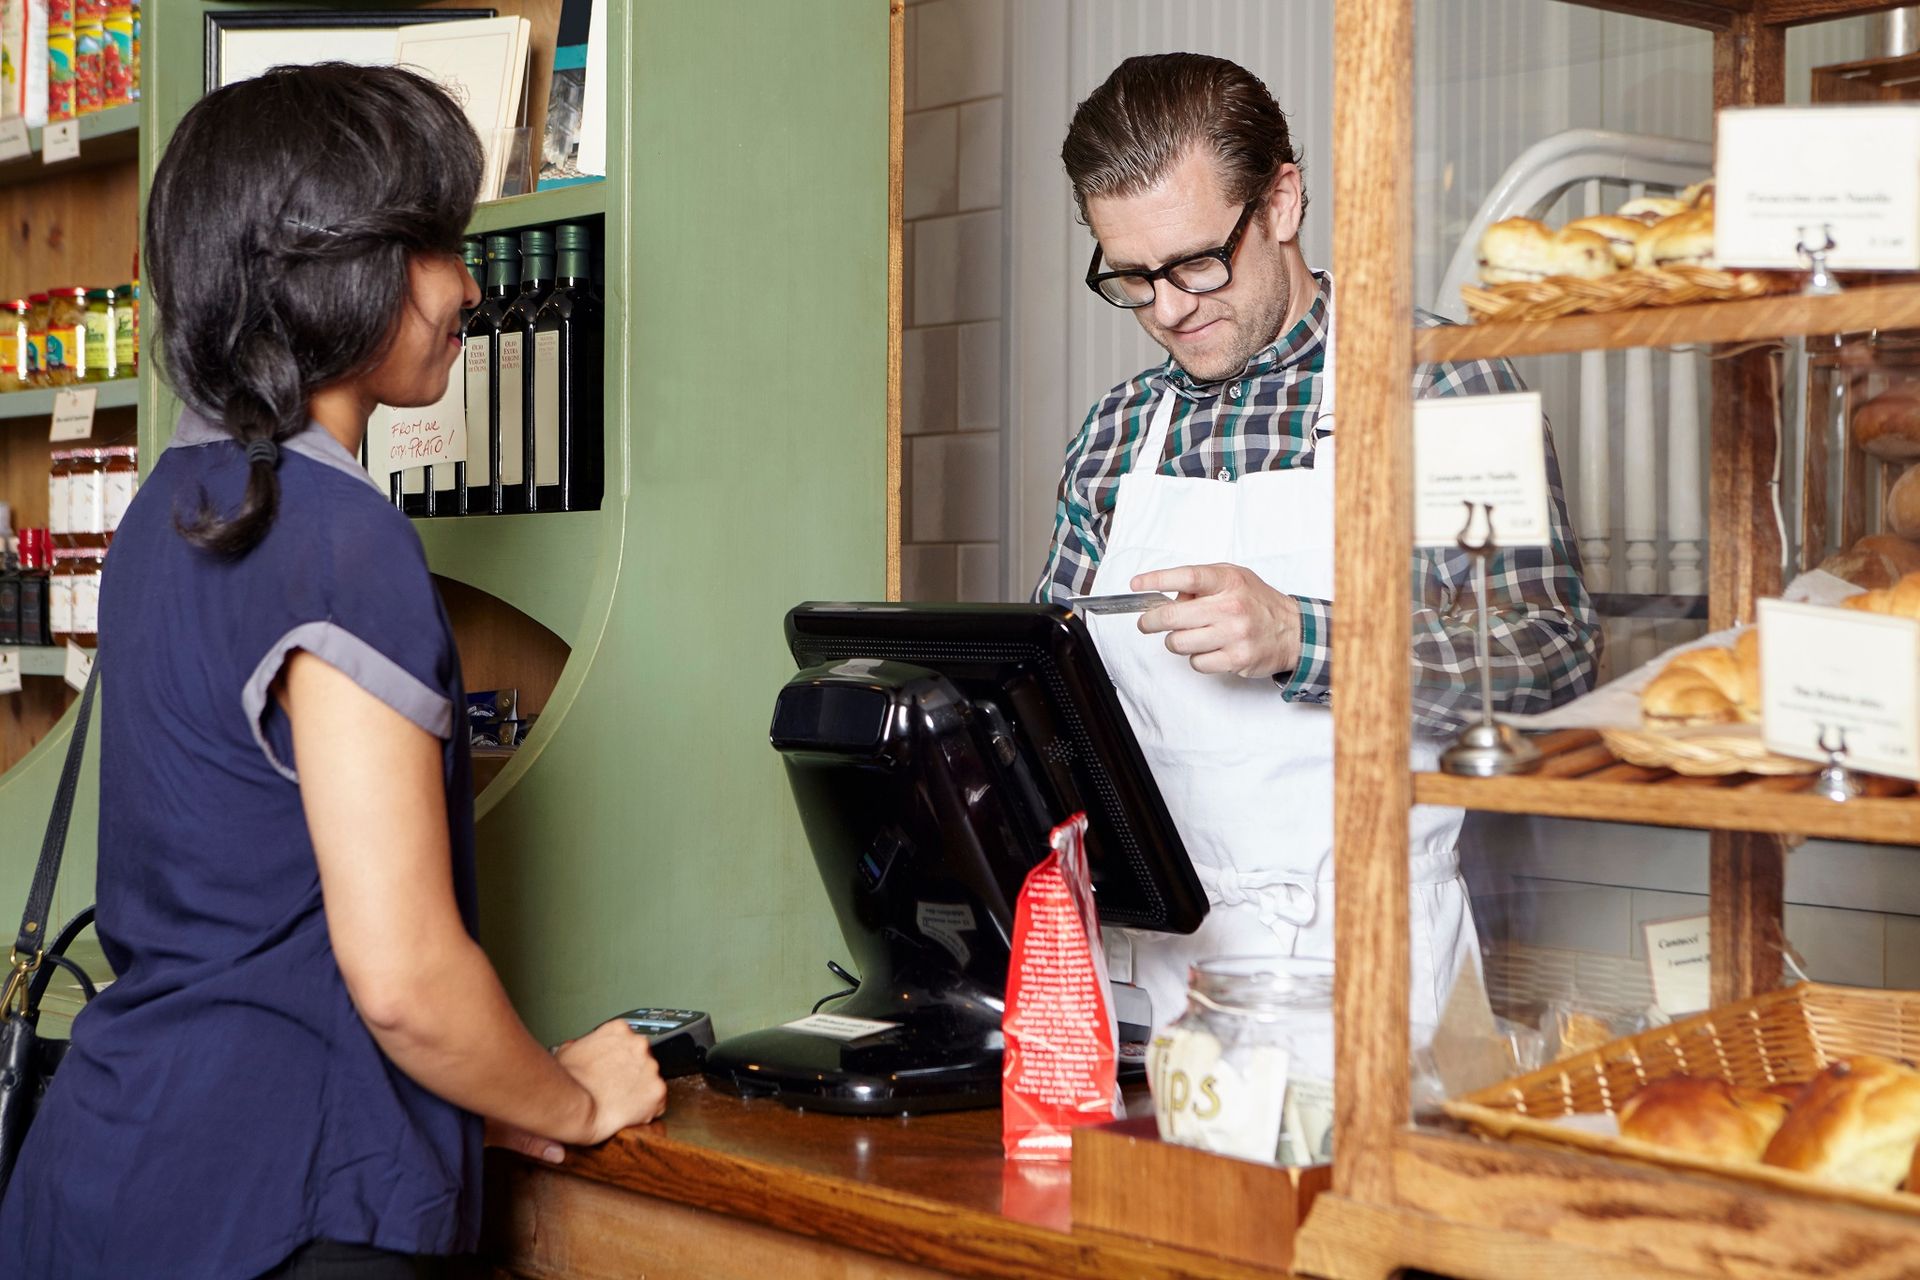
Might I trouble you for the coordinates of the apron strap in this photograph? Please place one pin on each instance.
(1147, 461)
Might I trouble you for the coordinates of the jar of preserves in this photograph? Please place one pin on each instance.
(13, 343)
(1247, 1068)
(37, 340)
(86, 498)
(83, 603)
(66, 335)
(121, 478)
(59, 496)
(102, 359)
(126, 329)
(60, 596)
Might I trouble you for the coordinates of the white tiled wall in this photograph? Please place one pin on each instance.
(951, 394)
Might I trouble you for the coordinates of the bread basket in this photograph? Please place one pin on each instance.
(1668, 286)
(1780, 1037)
(1704, 751)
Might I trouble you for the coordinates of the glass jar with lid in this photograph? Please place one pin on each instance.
(1247, 1068)
(101, 361)
(120, 475)
(83, 595)
(66, 336)
(60, 595)
(13, 343)
(60, 495)
(86, 499)
(126, 329)
(37, 308)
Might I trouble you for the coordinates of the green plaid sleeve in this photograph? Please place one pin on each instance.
(1312, 680)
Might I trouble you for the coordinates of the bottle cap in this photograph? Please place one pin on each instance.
(572, 235)
(536, 241)
(502, 248)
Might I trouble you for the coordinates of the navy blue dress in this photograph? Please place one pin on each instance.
(223, 1104)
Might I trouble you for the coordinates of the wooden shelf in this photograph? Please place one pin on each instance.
(1719, 15)
(1887, 306)
(121, 393)
(105, 137)
(1580, 778)
(562, 204)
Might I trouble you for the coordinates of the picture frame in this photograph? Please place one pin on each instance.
(242, 44)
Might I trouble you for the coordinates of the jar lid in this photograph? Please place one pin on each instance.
(36, 298)
(62, 455)
(90, 553)
(75, 290)
(127, 290)
(99, 295)
(122, 451)
(16, 304)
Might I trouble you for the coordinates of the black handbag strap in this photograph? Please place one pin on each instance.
(33, 925)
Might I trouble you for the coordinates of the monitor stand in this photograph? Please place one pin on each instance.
(942, 1054)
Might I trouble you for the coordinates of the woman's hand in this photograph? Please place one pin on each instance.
(615, 1067)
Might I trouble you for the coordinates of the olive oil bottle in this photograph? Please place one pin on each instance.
(568, 462)
(516, 328)
(494, 440)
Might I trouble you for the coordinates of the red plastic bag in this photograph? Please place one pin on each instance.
(1059, 1025)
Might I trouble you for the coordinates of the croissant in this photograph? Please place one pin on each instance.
(1707, 686)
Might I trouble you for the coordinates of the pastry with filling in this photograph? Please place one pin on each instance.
(1514, 250)
(1856, 1125)
(1704, 1117)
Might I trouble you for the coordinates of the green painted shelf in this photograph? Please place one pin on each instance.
(121, 393)
(584, 200)
(542, 565)
(105, 137)
(43, 660)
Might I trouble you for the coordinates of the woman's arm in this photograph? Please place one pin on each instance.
(371, 784)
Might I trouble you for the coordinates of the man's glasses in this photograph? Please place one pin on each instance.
(1200, 273)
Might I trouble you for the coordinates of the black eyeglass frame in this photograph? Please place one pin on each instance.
(1223, 255)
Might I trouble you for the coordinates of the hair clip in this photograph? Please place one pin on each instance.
(301, 224)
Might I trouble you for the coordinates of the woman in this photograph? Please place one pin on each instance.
(288, 1076)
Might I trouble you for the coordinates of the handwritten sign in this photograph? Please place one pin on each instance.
(14, 140)
(79, 666)
(1841, 674)
(432, 436)
(836, 1026)
(60, 141)
(9, 671)
(1480, 449)
(73, 413)
(1680, 961)
(1845, 182)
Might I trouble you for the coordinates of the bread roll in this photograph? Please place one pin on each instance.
(1685, 239)
(1704, 1118)
(1903, 504)
(1699, 195)
(1901, 600)
(1651, 209)
(1888, 426)
(1707, 686)
(1904, 556)
(1621, 234)
(1862, 566)
(1746, 660)
(1857, 1125)
(1520, 249)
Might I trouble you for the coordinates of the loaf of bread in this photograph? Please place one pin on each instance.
(1888, 426)
(1878, 560)
(1521, 249)
(1903, 504)
(1857, 1124)
(1707, 686)
(1704, 1117)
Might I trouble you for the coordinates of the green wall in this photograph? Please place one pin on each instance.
(643, 847)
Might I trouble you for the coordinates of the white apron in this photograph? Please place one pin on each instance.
(1247, 775)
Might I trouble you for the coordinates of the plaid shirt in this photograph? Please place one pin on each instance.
(1545, 638)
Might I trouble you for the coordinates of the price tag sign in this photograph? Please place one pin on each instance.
(1680, 961)
(60, 141)
(838, 1027)
(1844, 675)
(79, 666)
(9, 671)
(410, 439)
(1480, 449)
(14, 140)
(73, 413)
(1852, 179)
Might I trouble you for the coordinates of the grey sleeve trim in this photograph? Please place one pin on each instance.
(361, 663)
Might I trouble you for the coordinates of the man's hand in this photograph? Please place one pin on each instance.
(1225, 621)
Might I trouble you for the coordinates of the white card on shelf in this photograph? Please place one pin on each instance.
(79, 666)
(1680, 962)
(73, 413)
(60, 141)
(14, 139)
(1841, 671)
(1842, 182)
(9, 671)
(1481, 449)
(431, 436)
(837, 1027)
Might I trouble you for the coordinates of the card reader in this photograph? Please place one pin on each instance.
(679, 1038)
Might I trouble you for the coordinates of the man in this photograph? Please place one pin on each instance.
(1211, 476)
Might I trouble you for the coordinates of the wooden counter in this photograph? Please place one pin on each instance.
(724, 1188)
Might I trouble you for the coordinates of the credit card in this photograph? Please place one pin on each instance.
(1132, 602)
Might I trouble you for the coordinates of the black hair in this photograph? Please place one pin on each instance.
(279, 229)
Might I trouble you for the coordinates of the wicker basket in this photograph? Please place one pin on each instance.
(1672, 286)
(1703, 751)
(1782, 1037)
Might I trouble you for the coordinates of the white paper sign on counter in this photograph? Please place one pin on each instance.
(1783, 174)
(14, 141)
(60, 141)
(73, 413)
(9, 671)
(1482, 449)
(409, 439)
(79, 666)
(1680, 961)
(1841, 671)
(836, 1026)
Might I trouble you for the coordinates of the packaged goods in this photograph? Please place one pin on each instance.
(60, 69)
(118, 54)
(89, 60)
